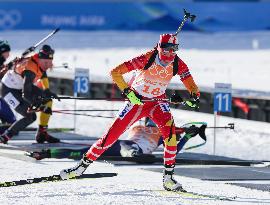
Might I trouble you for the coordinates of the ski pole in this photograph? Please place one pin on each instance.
(186, 17)
(91, 110)
(185, 102)
(230, 126)
(87, 98)
(87, 115)
(188, 103)
(73, 113)
(64, 65)
(32, 48)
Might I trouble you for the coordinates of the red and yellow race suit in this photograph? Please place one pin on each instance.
(150, 84)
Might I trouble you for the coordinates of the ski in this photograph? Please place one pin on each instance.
(196, 195)
(53, 178)
(60, 129)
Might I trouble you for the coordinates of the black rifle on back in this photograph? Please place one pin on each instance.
(13, 62)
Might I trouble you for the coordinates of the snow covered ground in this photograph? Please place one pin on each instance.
(251, 140)
(131, 186)
(228, 63)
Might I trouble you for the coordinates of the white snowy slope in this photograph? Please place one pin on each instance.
(131, 186)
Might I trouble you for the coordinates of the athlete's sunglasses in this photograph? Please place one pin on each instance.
(169, 46)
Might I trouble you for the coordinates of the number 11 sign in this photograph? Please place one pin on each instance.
(222, 103)
(223, 97)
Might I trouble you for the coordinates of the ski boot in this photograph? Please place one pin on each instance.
(76, 171)
(169, 183)
(43, 136)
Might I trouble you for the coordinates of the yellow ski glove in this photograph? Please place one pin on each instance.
(133, 97)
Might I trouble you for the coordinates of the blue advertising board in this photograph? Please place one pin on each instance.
(128, 15)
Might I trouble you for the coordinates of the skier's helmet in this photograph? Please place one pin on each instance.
(167, 46)
(46, 52)
(4, 46)
(168, 39)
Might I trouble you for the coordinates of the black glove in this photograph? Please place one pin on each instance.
(195, 97)
(45, 109)
(36, 103)
(39, 104)
(50, 95)
(176, 99)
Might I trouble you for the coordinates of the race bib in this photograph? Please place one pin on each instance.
(153, 82)
(11, 100)
(165, 107)
(127, 107)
